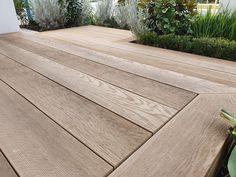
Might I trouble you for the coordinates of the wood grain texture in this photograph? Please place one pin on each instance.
(183, 81)
(156, 91)
(37, 147)
(144, 112)
(188, 145)
(158, 53)
(153, 56)
(5, 168)
(106, 133)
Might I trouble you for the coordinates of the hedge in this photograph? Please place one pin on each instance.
(211, 47)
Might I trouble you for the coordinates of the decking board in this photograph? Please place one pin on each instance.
(150, 56)
(188, 145)
(36, 146)
(5, 168)
(68, 77)
(184, 81)
(143, 112)
(171, 55)
(159, 92)
(109, 135)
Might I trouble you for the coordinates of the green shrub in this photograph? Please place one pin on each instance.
(222, 24)
(170, 17)
(73, 12)
(212, 47)
(48, 14)
(20, 11)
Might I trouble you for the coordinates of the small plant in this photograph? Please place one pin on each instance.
(73, 12)
(20, 11)
(222, 24)
(232, 159)
(136, 19)
(48, 14)
(170, 17)
(86, 13)
(121, 15)
(104, 12)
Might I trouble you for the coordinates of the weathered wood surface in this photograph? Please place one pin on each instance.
(156, 91)
(187, 146)
(36, 146)
(202, 67)
(106, 133)
(98, 33)
(144, 112)
(5, 168)
(184, 81)
(71, 76)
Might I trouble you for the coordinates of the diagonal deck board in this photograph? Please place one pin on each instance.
(36, 146)
(5, 168)
(142, 111)
(106, 133)
(187, 146)
(162, 93)
(180, 80)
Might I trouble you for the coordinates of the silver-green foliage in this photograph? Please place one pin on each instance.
(136, 18)
(87, 11)
(121, 14)
(104, 11)
(48, 13)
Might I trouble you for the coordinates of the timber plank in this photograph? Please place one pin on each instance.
(158, 53)
(130, 52)
(107, 134)
(183, 81)
(159, 92)
(188, 145)
(144, 112)
(36, 146)
(5, 168)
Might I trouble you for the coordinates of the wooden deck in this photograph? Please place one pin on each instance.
(85, 102)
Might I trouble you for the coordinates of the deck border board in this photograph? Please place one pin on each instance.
(199, 156)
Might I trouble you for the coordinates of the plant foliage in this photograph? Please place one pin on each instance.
(170, 17)
(221, 24)
(121, 15)
(48, 14)
(212, 47)
(20, 11)
(232, 159)
(104, 11)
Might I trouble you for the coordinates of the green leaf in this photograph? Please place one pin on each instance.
(228, 117)
(232, 163)
(166, 26)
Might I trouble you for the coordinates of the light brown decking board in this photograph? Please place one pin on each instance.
(86, 102)
(5, 168)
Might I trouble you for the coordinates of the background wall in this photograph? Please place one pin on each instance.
(231, 4)
(8, 19)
